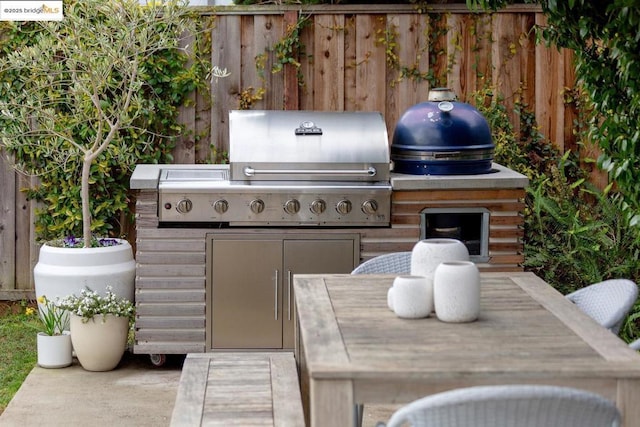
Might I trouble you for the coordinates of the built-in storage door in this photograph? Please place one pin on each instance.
(247, 296)
(330, 256)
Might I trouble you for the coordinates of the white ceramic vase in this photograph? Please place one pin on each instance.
(427, 254)
(100, 342)
(66, 271)
(54, 351)
(456, 291)
(411, 297)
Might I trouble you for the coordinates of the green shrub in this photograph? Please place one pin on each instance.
(575, 234)
(44, 114)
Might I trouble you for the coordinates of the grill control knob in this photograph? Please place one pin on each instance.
(256, 206)
(370, 207)
(221, 206)
(292, 206)
(318, 206)
(343, 207)
(184, 206)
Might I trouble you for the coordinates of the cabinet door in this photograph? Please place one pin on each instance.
(331, 256)
(246, 293)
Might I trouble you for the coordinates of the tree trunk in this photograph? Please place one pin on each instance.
(84, 196)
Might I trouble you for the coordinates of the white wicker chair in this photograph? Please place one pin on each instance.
(393, 263)
(509, 406)
(607, 302)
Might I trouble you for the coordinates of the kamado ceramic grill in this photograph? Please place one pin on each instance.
(288, 168)
(442, 137)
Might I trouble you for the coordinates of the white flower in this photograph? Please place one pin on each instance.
(90, 304)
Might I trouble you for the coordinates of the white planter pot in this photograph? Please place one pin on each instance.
(456, 291)
(54, 351)
(100, 342)
(427, 254)
(66, 271)
(412, 297)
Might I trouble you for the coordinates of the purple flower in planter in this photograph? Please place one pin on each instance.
(74, 242)
(71, 242)
(107, 242)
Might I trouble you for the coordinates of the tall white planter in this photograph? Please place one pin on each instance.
(65, 271)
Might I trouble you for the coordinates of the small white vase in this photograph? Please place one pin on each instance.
(456, 291)
(412, 297)
(427, 254)
(100, 342)
(54, 351)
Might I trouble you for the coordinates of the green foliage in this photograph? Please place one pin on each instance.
(526, 152)
(110, 76)
(605, 37)
(607, 47)
(290, 48)
(17, 349)
(388, 36)
(575, 234)
(578, 235)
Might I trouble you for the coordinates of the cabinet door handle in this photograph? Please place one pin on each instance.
(275, 283)
(289, 288)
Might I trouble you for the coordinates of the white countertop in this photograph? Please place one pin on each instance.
(501, 177)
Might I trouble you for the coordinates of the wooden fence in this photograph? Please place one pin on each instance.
(354, 58)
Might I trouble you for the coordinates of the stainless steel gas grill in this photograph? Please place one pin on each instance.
(288, 168)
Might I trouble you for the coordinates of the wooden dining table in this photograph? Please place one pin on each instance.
(352, 349)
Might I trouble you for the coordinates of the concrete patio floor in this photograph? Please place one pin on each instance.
(135, 394)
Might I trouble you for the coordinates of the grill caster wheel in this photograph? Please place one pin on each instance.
(157, 359)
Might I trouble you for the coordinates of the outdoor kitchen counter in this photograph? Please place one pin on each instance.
(502, 178)
(146, 177)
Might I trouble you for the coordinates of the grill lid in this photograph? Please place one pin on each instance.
(310, 145)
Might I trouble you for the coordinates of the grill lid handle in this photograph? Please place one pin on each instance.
(249, 171)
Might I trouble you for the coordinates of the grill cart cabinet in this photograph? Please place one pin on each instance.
(250, 279)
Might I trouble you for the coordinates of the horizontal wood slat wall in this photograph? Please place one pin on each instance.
(356, 58)
(170, 284)
(505, 223)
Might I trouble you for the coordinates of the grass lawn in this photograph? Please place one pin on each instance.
(17, 348)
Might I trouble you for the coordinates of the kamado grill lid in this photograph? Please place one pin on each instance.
(442, 137)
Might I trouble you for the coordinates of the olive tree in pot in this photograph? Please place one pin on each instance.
(75, 100)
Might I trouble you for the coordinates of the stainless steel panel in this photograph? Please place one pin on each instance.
(331, 256)
(245, 284)
(190, 175)
(249, 274)
(204, 205)
(277, 145)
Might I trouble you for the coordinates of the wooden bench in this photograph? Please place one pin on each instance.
(244, 389)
